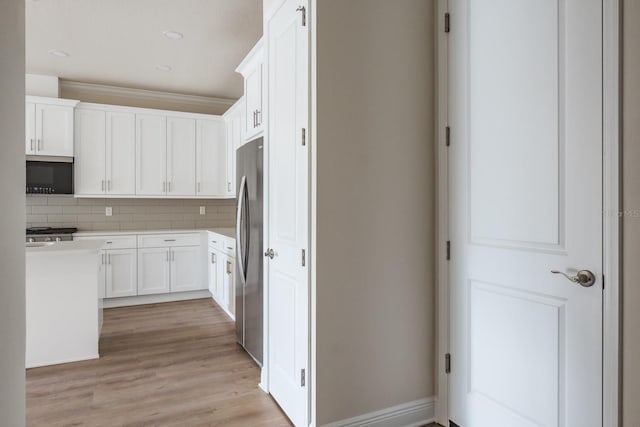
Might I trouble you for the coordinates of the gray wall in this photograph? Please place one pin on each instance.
(12, 173)
(128, 214)
(631, 222)
(375, 206)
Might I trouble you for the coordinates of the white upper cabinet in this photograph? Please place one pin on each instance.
(151, 155)
(234, 134)
(121, 153)
(251, 69)
(90, 152)
(30, 131)
(181, 157)
(49, 126)
(211, 155)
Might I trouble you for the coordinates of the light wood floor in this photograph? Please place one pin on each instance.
(173, 364)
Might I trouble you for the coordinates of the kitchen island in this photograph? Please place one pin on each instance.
(63, 302)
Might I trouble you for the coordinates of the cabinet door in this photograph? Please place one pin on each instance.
(121, 153)
(186, 273)
(253, 97)
(211, 153)
(151, 155)
(153, 271)
(213, 273)
(54, 130)
(181, 157)
(229, 285)
(234, 139)
(89, 165)
(122, 273)
(30, 128)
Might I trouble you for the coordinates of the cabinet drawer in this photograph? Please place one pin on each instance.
(229, 246)
(113, 242)
(215, 241)
(166, 240)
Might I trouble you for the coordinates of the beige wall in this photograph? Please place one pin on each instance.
(631, 205)
(128, 214)
(12, 175)
(375, 284)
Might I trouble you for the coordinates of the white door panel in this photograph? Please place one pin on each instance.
(89, 167)
(525, 113)
(54, 130)
(122, 273)
(154, 272)
(181, 157)
(211, 155)
(288, 208)
(151, 155)
(186, 269)
(121, 153)
(30, 131)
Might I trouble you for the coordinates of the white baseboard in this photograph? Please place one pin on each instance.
(154, 299)
(410, 414)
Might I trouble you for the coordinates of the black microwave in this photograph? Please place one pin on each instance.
(49, 177)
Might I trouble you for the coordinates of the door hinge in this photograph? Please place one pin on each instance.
(303, 379)
(447, 22)
(447, 363)
(448, 250)
(304, 14)
(304, 137)
(447, 136)
(304, 257)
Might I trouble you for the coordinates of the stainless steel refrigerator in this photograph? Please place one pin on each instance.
(249, 264)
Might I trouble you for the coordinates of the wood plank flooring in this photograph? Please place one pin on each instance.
(172, 364)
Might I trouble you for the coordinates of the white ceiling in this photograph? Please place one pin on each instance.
(120, 42)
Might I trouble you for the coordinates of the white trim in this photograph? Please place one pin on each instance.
(154, 111)
(611, 201)
(155, 299)
(253, 58)
(442, 403)
(52, 101)
(144, 94)
(410, 414)
(238, 104)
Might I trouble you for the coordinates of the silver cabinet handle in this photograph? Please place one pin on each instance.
(583, 278)
(198, 187)
(254, 119)
(169, 240)
(103, 255)
(213, 258)
(103, 185)
(40, 144)
(228, 267)
(228, 186)
(173, 256)
(167, 256)
(32, 144)
(259, 117)
(109, 259)
(109, 185)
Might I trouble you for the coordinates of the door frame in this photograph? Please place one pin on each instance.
(611, 181)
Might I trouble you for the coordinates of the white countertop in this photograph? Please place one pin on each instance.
(227, 232)
(65, 248)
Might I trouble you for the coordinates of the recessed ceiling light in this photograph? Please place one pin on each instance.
(163, 67)
(173, 35)
(58, 53)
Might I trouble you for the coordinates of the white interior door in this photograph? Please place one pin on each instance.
(288, 233)
(525, 198)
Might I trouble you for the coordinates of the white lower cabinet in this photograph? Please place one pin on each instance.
(121, 278)
(222, 268)
(154, 272)
(186, 264)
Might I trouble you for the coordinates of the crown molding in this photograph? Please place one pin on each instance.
(144, 94)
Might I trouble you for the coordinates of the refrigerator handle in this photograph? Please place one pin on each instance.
(243, 186)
